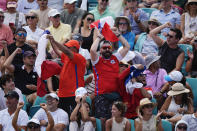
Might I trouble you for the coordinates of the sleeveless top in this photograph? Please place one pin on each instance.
(118, 126)
(149, 125)
(87, 41)
(190, 25)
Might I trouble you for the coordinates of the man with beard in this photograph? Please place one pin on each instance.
(106, 70)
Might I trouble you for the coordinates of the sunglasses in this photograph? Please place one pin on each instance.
(182, 127)
(148, 106)
(22, 34)
(143, 75)
(121, 23)
(2, 17)
(33, 126)
(90, 19)
(30, 17)
(105, 0)
(107, 47)
(152, 23)
(193, 3)
(170, 36)
(56, 16)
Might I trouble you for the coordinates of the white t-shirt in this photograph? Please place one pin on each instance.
(10, 18)
(59, 117)
(85, 53)
(3, 99)
(24, 6)
(6, 119)
(33, 35)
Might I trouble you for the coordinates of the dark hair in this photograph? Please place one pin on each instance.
(5, 78)
(178, 33)
(183, 81)
(185, 100)
(21, 29)
(32, 124)
(121, 107)
(84, 16)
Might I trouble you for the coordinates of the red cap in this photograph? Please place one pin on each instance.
(73, 43)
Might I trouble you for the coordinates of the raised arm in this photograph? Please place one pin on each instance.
(73, 116)
(84, 112)
(154, 32)
(56, 46)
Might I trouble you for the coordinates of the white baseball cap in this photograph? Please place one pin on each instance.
(34, 120)
(69, 1)
(80, 92)
(53, 95)
(174, 76)
(53, 12)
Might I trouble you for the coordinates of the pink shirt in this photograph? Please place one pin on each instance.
(155, 81)
(3, 4)
(6, 34)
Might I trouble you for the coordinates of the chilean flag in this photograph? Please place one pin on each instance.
(104, 25)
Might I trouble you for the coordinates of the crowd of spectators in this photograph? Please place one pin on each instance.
(84, 78)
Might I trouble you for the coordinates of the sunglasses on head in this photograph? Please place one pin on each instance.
(148, 106)
(182, 127)
(193, 3)
(152, 23)
(170, 36)
(30, 17)
(105, 0)
(22, 34)
(122, 23)
(56, 16)
(90, 19)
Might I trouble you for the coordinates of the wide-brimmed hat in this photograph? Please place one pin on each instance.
(123, 17)
(151, 20)
(145, 101)
(177, 89)
(187, 4)
(174, 76)
(150, 59)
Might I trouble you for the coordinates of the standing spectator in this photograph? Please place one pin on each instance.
(72, 73)
(7, 84)
(102, 10)
(188, 21)
(124, 26)
(61, 32)
(167, 14)
(7, 114)
(33, 31)
(24, 6)
(118, 122)
(106, 70)
(20, 37)
(191, 119)
(83, 27)
(13, 18)
(25, 75)
(6, 35)
(59, 116)
(72, 14)
(136, 16)
(172, 56)
(42, 12)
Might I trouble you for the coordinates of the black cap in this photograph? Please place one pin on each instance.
(12, 94)
(28, 53)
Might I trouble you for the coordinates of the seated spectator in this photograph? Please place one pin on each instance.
(33, 124)
(118, 122)
(72, 14)
(188, 22)
(59, 116)
(20, 37)
(7, 84)
(102, 10)
(124, 26)
(13, 18)
(177, 103)
(145, 43)
(191, 119)
(33, 31)
(6, 35)
(181, 126)
(136, 16)
(191, 65)
(87, 34)
(25, 76)
(155, 77)
(147, 3)
(7, 114)
(80, 119)
(146, 121)
(172, 56)
(43, 21)
(167, 14)
(24, 6)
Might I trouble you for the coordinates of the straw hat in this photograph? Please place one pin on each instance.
(177, 89)
(187, 4)
(145, 101)
(123, 17)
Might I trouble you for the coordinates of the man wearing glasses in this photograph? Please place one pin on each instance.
(172, 57)
(102, 10)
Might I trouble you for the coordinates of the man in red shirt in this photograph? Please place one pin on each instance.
(72, 73)
(106, 71)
